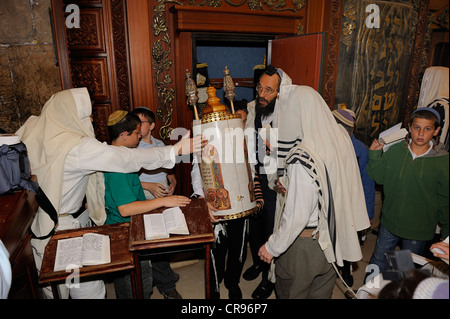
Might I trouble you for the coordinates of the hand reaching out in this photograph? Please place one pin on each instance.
(190, 145)
(176, 200)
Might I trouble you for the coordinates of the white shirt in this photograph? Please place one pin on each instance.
(414, 156)
(301, 210)
(91, 155)
(155, 176)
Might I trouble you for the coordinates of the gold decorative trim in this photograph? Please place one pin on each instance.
(161, 50)
(351, 10)
(218, 116)
(237, 215)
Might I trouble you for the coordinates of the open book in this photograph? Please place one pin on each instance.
(170, 221)
(90, 249)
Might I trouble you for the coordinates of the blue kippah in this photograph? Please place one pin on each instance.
(430, 109)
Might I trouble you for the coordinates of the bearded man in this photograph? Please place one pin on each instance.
(311, 164)
(261, 114)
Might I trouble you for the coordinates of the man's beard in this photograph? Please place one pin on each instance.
(264, 110)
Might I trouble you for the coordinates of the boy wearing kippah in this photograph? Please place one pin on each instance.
(124, 195)
(414, 175)
(156, 184)
(159, 182)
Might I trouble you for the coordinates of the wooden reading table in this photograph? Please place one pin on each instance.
(121, 257)
(17, 211)
(200, 229)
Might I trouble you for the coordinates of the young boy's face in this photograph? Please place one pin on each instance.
(422, 131)
(145, 127)
(132, 140)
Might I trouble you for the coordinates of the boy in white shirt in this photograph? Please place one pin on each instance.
(157, 183)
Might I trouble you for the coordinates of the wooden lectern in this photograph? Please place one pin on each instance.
(201, 234)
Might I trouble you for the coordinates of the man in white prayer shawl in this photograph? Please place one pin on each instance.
(68, 160)
(320, 202)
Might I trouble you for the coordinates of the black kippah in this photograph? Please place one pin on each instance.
(270, 70)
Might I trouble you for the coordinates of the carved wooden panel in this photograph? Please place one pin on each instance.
(95, 55)
(120, 53)
(90, 35)
(93, 74)
(100, 113)
(331, 66)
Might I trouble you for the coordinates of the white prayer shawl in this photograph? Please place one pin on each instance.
(434, 85)
(434, 93)
(62, 124)
(303, 155)
(303, 116)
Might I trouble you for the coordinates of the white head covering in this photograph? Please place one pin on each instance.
(434, 85)
(62, 124)
(434, 93)
(303, 115)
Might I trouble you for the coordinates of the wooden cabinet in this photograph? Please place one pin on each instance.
(16, 214)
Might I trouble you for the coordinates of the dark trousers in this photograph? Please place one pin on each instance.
(261, 225)
(228, 254)
(122, 283)
(163, 275)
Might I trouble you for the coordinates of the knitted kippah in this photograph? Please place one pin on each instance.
(429, 109)
(116, 116)
(351, 113)
(344, 116)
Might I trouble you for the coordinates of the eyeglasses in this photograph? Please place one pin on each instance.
(267, 90)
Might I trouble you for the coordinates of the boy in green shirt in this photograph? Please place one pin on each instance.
(415, 178)
(125, 197)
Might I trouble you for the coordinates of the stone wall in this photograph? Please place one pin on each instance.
(28, 71)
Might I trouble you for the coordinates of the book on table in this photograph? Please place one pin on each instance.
(161, 225)
(89, 249)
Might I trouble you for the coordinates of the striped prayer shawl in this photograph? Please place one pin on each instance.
(301, 116)
(299, 155)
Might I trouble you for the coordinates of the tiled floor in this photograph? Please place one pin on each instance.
(192, 279)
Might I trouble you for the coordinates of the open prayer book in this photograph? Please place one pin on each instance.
(89, 249)
(170, 221)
